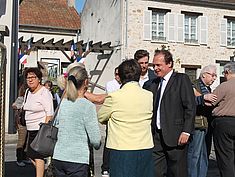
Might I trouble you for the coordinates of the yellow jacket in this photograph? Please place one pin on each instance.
(129, 113)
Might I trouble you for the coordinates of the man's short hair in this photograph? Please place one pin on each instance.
(129, 70)
(230, 67)
(207, 68)
(167, 56)
(140, 54)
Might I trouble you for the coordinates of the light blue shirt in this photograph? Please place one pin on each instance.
(77, 122)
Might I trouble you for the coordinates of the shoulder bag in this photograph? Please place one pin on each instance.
(45, 140)
(22, 111)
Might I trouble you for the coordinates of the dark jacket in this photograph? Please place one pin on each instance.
(178, 107)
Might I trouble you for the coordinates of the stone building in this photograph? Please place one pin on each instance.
(198, 33)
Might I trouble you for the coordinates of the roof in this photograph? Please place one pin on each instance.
(49, 13)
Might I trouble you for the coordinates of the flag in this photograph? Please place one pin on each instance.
(87, 51)
(72, 51)
(29, 44)
(23, 58)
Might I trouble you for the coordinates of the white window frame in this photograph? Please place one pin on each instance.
(231, 22)
(190, 40)
(158, 37)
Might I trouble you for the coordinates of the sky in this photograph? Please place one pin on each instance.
(79, 5)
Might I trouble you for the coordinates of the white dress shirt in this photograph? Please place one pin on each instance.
(164, 83)
(112, 86)
(144, 79)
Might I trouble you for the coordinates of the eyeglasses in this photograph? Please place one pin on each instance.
(212, 74)
(31, 78)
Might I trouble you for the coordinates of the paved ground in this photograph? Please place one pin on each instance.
(12, 170)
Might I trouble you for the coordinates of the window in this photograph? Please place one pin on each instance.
(231, 32)
(195, 28)
(155, 24)
(190, 29)
(187, 27)
(191, 72)
(158, 28)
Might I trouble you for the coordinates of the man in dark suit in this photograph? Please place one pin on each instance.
(142, 57)
(173, 116)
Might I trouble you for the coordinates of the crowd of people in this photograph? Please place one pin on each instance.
(159, 123)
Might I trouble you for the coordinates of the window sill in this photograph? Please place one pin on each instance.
(192, 44)
(161, 42)
(230, 47)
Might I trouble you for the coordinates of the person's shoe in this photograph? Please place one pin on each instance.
(20, 164)
(105, 174)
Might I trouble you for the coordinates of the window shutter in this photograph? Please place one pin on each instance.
(171, 27)
(203, 29)
(166, 26)
(180, 26)
(147, 25)
(223, 32)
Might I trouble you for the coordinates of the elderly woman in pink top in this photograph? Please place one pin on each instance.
(38, 108)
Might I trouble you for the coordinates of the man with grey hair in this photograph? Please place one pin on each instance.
(197, 150)
(224, 122)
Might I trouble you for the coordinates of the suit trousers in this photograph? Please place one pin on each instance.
(224, 142)
(106, 152)
(169, 161)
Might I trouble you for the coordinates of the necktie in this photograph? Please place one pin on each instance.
(158, 93)
(209, 89)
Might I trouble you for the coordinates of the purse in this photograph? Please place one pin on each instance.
(22, 111)
(46, 138)
(201, 122)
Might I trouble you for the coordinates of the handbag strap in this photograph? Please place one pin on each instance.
(25, 98)
(56, 110)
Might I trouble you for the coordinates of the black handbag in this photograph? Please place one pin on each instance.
(22, 117)
(46, 138)
(22, 111)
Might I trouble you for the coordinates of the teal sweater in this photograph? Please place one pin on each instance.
(77, 122)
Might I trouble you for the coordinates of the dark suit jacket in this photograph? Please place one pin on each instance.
(177, 107)
(151, 74)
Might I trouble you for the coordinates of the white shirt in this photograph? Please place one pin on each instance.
(112, 86)
(37, 106)
(144, 79)
(164, 83)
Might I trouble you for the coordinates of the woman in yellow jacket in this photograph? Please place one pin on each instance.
(128, 113)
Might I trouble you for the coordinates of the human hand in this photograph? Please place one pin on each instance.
(210, 97)
(183, 139)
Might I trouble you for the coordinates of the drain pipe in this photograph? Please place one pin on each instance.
(126, 35)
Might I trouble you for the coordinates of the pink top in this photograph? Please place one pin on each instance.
(37, 106)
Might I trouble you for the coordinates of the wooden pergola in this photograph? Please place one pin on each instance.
(41, 44)
(105, 51)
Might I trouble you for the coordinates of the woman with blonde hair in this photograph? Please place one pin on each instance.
(78, 126)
